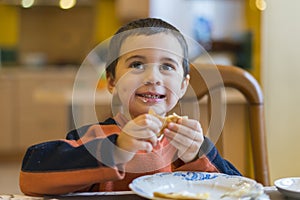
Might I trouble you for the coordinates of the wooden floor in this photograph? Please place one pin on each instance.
(9, 177)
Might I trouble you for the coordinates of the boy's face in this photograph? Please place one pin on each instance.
(149, 74)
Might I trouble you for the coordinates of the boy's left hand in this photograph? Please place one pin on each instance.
(187, 136)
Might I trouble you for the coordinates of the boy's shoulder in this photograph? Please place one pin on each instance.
(75, 134)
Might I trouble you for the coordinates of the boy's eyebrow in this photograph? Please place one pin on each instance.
(135, 56)
(170, 60)
(143, 57)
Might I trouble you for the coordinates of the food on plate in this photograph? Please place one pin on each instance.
(165, 120)
(244, 189)
(183, 195)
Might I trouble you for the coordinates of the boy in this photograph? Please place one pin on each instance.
(147, 68)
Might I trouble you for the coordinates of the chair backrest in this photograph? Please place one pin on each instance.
(206, 79)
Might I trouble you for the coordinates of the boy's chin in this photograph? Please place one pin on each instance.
(158, 109)
(136, 111)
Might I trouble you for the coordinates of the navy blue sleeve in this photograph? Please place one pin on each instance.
(60, 155)
(211, 152)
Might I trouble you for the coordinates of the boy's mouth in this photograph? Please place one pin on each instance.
(151, 97)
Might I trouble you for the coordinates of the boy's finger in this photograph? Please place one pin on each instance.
(144, 146)
(185, 132)
(191, 123)
(153, 139)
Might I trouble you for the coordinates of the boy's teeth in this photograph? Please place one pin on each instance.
(151, 96)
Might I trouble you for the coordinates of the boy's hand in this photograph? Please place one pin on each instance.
(187, 136)
(138, 134)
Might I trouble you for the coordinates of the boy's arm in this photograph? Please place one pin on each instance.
(63, 166)
(208, 160)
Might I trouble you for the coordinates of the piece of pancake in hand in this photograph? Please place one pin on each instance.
(165, 120)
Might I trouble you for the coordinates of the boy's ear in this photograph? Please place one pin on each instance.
(184, 85)
(110, 82)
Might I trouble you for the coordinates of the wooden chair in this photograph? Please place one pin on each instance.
(208, 79)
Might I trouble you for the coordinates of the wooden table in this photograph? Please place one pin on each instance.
(127, 195)
(271, 191)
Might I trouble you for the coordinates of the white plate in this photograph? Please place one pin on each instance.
(215, 184)
(289, 186)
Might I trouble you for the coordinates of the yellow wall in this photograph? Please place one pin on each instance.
(9, 26)
(253, 23)
(106, 21)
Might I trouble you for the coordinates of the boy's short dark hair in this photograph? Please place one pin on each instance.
(147, 26)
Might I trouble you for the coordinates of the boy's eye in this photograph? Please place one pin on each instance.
(167, 67)
(137, 65)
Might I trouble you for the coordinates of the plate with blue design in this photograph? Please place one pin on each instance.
(196, 185)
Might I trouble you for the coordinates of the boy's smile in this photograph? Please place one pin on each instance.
(151, 97)
(149, 73)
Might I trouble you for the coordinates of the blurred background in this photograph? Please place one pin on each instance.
(44, 42)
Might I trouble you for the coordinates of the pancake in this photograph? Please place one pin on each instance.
(165, 120)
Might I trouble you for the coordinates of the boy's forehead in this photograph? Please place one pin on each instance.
(160, 41)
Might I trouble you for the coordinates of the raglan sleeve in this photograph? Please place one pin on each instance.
(64, 166)
(208, 160)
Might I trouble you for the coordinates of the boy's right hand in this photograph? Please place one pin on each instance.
(138, 134)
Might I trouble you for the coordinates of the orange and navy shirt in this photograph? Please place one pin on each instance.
(83, 162)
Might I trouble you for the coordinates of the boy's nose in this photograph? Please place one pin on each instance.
(151, 83)
(152, 76)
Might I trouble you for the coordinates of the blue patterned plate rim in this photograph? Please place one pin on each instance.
(184, 176)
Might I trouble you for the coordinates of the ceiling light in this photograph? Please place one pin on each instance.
(261, 4)
(67, 4)
(27, 3)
